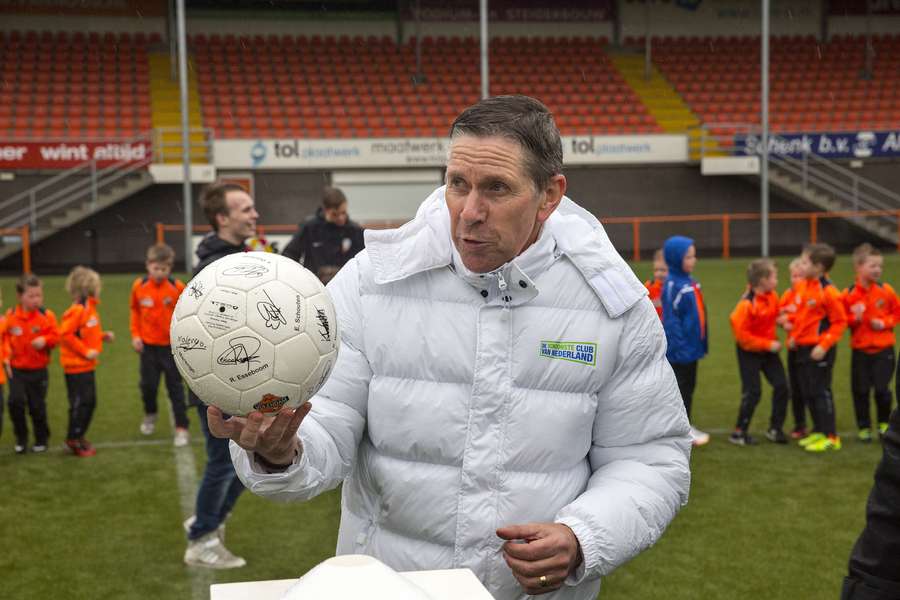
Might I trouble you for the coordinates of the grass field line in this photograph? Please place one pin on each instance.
(186, 475)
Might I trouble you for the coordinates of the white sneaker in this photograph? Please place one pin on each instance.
(182, 437)
(209, 552)
(190, 521)
(37, 448)
(699, 438)
(148, 425)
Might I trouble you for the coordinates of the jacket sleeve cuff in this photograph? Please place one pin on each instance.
(589, 550)
(299, 477)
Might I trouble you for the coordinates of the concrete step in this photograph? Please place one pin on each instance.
(822, 200)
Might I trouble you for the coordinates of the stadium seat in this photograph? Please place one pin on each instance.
(718, 77)
(364, 84)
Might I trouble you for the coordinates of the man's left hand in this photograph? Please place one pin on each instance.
(541, 555)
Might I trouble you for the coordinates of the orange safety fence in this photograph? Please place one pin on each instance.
(724, 218)
(262, 230)
(727, 218)
(24, 234)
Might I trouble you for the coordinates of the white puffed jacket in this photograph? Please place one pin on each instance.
(461, 403)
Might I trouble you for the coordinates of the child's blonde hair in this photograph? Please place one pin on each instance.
(862, 253)
(83, 282)
(28, 280)
(794, 264)
(161, 253)
(758, 270)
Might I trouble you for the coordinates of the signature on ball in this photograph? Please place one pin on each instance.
(248, 270)
(242, 350)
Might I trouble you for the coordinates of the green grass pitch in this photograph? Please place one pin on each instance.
(763, 522)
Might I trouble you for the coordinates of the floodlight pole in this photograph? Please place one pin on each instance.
(185, 135)
(648, 48)
(764, 137)
(483, 11)
(418, 77)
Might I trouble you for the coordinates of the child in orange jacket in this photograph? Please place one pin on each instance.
(31, 333)
(788, 305)
(655, 285)
(81, 341)
(873, 310)
(153, 299)
(4, 362)
(817, 326)
(753, 326)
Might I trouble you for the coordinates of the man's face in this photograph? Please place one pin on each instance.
(240, 222)
(158, 271)
(337, 216)
(495, 211)
(870, 269)
(32, 298)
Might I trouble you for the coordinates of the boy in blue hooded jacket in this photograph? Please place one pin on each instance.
(684, 320)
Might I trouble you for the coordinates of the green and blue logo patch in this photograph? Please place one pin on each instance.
(584, 353)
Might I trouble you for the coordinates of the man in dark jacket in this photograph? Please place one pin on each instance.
(875, 560)
(232, 214)
(328, 239)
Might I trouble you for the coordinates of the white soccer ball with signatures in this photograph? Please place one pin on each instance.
(254, 331)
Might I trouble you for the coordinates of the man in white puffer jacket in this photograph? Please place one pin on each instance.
(502, 399)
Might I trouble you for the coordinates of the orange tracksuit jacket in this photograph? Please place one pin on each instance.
(753, 321)
(4, 350)
(820, 318)
(79, 333)
(21, 328)
(654, 286)
(152, 305)
(882, 303)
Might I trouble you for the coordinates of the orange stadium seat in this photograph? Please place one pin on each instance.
(718, 78)
(341, 86)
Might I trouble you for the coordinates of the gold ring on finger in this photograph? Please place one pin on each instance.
(544, 582)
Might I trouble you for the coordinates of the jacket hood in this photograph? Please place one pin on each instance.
(212, 244)
(425, 243)
(674, 250)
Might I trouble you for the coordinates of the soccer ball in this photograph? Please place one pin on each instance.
(254, 331)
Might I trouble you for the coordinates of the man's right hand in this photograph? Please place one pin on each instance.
(138, 344)
(273, 438)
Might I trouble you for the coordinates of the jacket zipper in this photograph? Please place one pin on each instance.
(501, 283)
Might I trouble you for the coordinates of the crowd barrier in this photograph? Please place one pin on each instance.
(725, 219)
(23, 234)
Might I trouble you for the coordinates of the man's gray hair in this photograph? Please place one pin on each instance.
(520, 119)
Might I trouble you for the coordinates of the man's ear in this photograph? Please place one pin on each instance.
(551, 197)
(221, 220)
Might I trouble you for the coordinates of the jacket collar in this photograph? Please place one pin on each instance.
(424, 244)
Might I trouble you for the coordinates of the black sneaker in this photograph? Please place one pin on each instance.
(776, 436)
(741, 438)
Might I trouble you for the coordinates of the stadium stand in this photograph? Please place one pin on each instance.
(327, 87)
(74, 85)
(814, 86)
(349, 87)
